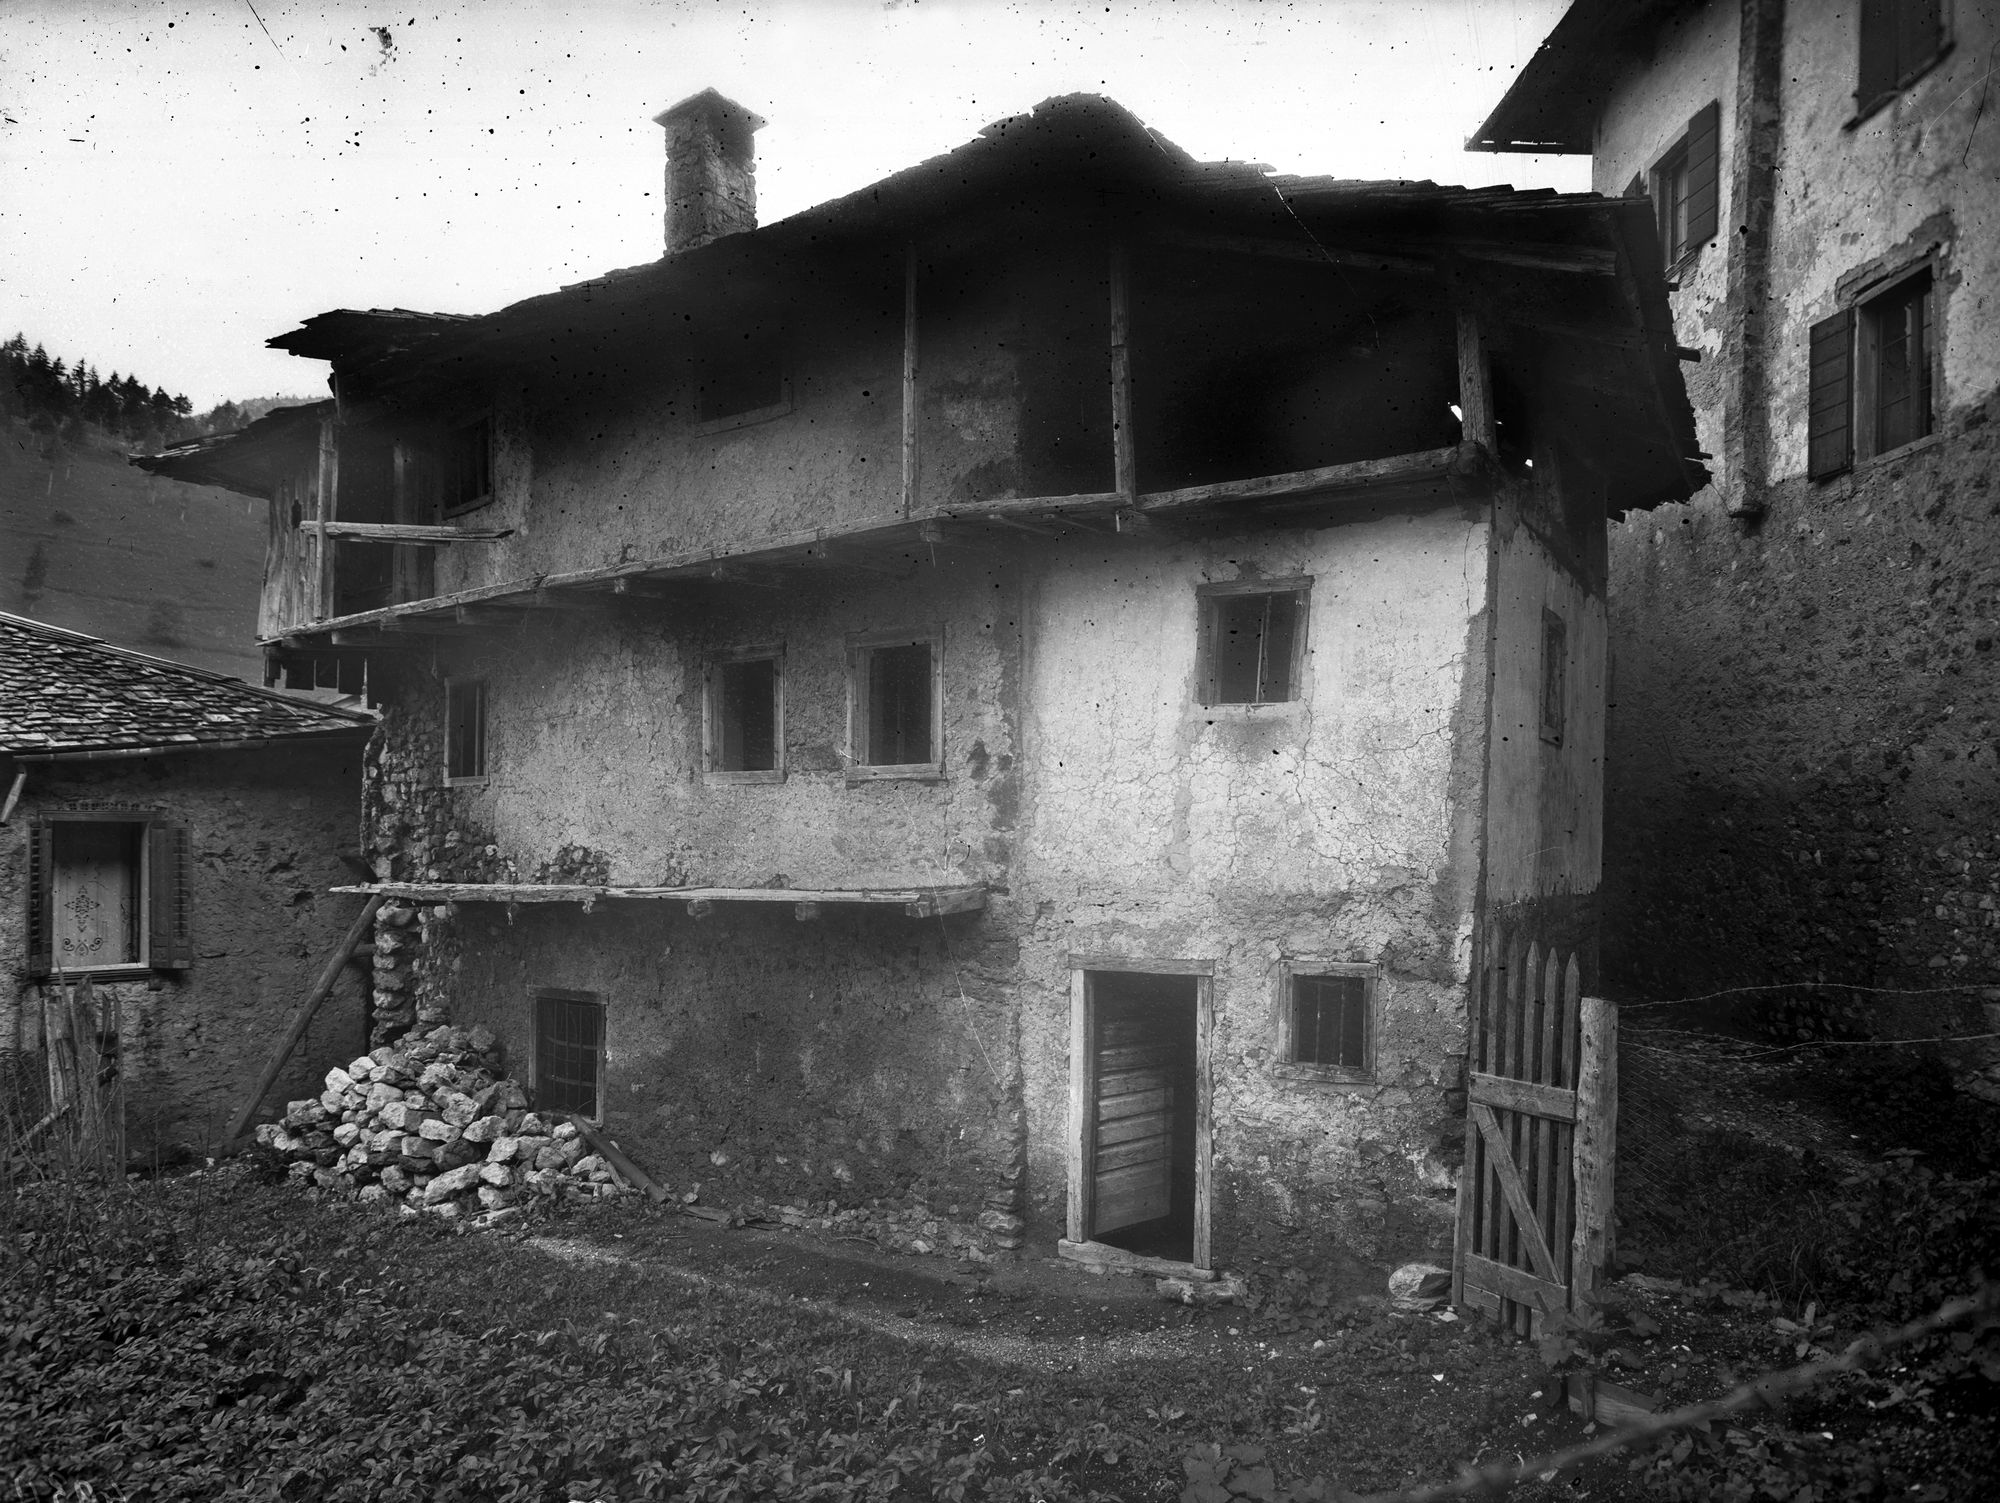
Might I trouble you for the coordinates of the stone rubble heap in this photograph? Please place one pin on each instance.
(433, 1121)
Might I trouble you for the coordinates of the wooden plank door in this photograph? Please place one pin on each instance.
(1526, 1238)
(1136, 1096)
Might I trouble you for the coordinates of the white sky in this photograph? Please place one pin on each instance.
(178, 183)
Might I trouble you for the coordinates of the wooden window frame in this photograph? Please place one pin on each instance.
(711, 714)
(860, 647)
(480, 778)
(1670, 170)
(1679, 164)
(447, 455)
(543, 994)
(164, 902)
(1554, 677)
(1867, 103)
(1284, 1066)
(1298, 586)
(1866, 432)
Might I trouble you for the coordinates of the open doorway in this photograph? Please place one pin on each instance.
(1141, 1120)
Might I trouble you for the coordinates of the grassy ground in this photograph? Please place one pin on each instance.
(223, 1336)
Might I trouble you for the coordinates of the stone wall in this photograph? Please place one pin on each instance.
(267, 828)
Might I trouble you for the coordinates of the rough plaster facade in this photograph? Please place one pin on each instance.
(267, 828)
(1801, 754)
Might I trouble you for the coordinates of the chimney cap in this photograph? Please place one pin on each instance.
(709, 102)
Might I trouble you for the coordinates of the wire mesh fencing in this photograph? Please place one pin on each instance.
(62, 1114)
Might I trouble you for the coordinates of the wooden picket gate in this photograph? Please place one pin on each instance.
(64, 1113)
(1534, 1200)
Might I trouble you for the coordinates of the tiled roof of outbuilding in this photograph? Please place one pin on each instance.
(61, 692)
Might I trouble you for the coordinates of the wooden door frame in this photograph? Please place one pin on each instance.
(1082, 1080)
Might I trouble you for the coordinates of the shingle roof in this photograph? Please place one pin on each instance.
(61, 691)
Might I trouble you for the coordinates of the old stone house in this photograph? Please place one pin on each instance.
(1018, 690)
(171, 834)
(1801, 763)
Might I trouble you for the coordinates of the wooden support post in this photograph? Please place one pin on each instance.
(613, 1155)
(1475, 384)
(321, 604)
(329, 974)
(1124, 467)
(13, 795)
(910, 455)
(1596, 1157)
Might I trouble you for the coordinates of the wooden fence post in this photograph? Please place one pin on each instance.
(1596, 1154)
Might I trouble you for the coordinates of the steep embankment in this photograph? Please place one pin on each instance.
(89, 543)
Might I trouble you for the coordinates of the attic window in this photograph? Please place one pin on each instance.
(1685, 186)
(466, 459)
(739, 382)
(1252, 641)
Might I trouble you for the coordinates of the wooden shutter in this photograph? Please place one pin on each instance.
(1877, 73)
(1919, 30)
(169, 926)
(1704, 141)
(41, 883)
(1830, 423)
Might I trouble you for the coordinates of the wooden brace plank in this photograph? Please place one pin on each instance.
(1552, 1102)
(1509, 1175)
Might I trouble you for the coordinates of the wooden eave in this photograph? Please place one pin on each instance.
(1553, 103)
(897, 547)
(915, 902)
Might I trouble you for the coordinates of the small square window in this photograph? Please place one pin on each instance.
(1555, 677)
(465, 731)
(1252, 643)
(745, 715)
(897, 706)
(466, 460)
(1327, 1020)
(569, 1052)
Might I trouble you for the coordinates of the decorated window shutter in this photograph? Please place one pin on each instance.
(41, 871)
(1830, 424)
(1704, 163)
(170, 931)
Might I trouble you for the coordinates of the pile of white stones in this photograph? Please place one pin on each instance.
(434, 1122)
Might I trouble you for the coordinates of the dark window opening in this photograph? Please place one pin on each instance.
(1898, 327)
(466, 459)
(898, 726)
(1331, 1023)
(465, 729)
(1555, 676)
(569, 1052)
(1670, 201)
(746, 715)
(1141, 1130)
(1899, 40)
(1686, 186)
(737, 379)
(1251, 647)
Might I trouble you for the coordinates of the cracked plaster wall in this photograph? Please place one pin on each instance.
(267, 827)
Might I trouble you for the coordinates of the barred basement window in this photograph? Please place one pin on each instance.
(569, 1052)
(1327, 1020)
(465, 731)
(108, 892)
(1252, 642)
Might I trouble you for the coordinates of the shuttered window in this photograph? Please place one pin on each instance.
(1830, 425)
(569, 1052)
(1686, 185)
(1899, 39)
(108, 891)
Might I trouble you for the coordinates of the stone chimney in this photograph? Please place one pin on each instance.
(711, 169)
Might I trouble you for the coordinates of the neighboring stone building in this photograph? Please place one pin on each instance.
(1801, 777)
(1019, 690)
(171, 834)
